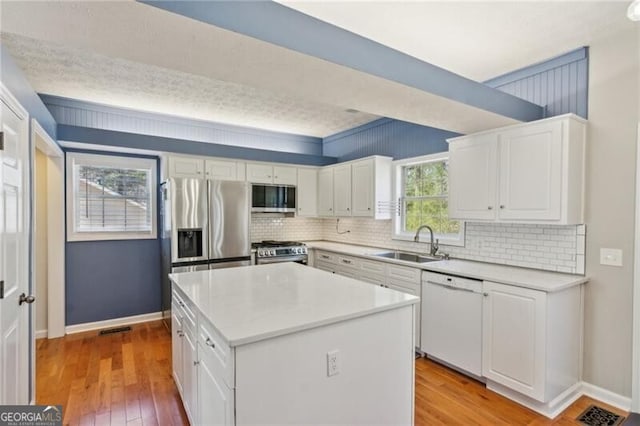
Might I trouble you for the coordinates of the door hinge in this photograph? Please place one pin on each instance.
(1, 141)
(2, 289)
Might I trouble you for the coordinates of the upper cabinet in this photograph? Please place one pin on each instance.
(307, 192)
(267, 173)
(194, 167)
(360, 188)
(527, 173)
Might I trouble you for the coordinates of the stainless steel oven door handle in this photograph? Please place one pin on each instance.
(264, 261)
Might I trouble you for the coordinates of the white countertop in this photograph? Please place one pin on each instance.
(511, 275)
(257, 302)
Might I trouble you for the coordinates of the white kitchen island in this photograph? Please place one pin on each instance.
(289, 344)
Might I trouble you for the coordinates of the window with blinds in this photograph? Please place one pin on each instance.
(111, 197)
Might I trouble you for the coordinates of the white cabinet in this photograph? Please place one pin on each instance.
(184, 352)
(359, 188)
(176, 346)
(186, 167)
(307, 192)
(225, 170)
(269, 173)
(325, 192)
(342, 190)
(190, 375)
(529, 173)
(215, 398)
(400, 278)
(531, 341)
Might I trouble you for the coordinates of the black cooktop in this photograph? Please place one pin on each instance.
(272, 243)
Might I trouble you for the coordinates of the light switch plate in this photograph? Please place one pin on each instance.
(611, 257)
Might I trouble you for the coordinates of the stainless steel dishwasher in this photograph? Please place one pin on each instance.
(452, 320)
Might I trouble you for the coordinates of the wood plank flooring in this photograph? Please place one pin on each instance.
(125, 379)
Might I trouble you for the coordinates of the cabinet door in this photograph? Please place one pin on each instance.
(342, 190)
(186, 167)
(259, 173)
(190, 376)
(215, 399)
(325, 192)
(176, 347)
(362, 188)
(473, 177)
(307, 193)
(513, 338)
(531, 172)
(222, 170)
(284, 175)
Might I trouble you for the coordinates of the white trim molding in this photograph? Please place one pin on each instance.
(42, 334)
(116, 322)
(635, 356)
(606, 396)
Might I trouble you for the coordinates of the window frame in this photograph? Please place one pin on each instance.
(117, 161)
(398, 191)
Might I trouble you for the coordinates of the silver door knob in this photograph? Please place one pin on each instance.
(26, 299)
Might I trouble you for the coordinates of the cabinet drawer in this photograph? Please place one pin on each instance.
(217, 351)
(325, 266)
(373, 266)
(372, 278)
(403, 273)
(187, 311)
(349, 262)
(326, 257)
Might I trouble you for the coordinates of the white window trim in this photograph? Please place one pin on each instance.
(77, 158)
(397, 233)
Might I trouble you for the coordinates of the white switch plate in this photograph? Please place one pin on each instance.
(611, 257)
(333, 363)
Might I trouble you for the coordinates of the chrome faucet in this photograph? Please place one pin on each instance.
(434, 246)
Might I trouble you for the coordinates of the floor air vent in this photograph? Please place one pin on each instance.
(596, 416)
(114, 330)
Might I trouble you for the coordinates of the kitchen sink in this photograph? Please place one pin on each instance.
(407, 257)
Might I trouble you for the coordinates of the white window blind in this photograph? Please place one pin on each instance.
(111, 197)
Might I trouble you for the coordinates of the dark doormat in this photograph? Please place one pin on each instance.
(632, 420)
(114, 330)
(597, 416)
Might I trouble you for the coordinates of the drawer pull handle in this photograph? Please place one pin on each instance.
(210, 343)
(196, 363)
(324, 256)
(346, 261)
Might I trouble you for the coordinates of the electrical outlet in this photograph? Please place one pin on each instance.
(333, 363)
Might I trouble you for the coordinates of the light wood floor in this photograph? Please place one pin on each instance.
(125, 378)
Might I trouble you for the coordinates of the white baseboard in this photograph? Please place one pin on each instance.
(97, 325)
(42, 334)
(606, 396)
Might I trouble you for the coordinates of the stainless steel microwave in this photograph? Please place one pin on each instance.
(273, 198)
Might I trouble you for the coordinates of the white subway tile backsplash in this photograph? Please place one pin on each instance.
(553, 248)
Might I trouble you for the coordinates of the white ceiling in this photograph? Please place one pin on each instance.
(132, 55)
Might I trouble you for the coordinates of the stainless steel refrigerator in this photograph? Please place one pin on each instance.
(205, 225)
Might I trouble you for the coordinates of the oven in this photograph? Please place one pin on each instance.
(280, 251)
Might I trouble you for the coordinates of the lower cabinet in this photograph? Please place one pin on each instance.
(215, 398)
(396, 277)
(531, 339)
(176, 345)
(190, 375)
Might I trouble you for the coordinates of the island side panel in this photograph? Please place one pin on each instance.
(284, 380)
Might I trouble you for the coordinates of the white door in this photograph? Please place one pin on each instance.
(186, 167)
(362, 188)
(176, 347)
(215, 399)
(307, 192)
(190, 375)
(531, 172)
(325, 192)
(259, 173)
(513, 337)
(342, 190)
(473, 177)
(221, 170)
(14, 233)
(285, 175)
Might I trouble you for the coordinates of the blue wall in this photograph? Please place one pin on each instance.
(69, 112)
(559, 84)
(393, 138)
(112, 279)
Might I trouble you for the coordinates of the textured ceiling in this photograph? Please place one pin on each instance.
(476, 39)
(80, 74)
